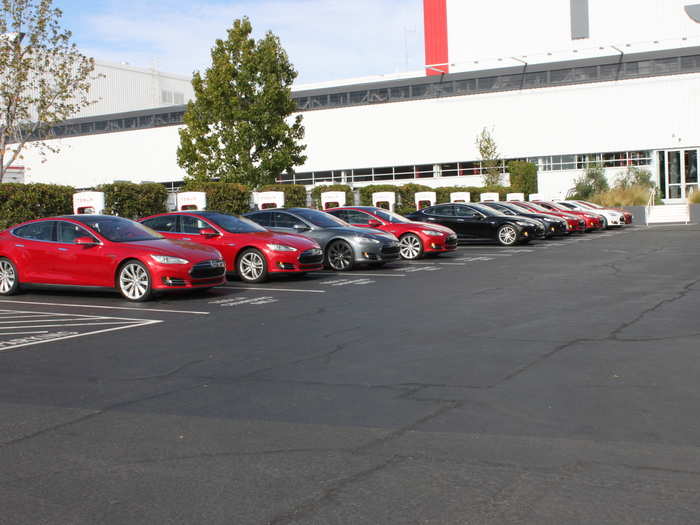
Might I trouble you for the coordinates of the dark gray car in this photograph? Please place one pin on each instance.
(344, 245)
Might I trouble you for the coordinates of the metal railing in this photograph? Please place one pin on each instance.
(650, 205)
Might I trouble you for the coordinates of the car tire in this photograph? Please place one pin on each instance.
(605, 224)
(410, 247)
(340, 256)
(507, 235)
(251, 266)
(134, 281)
(9, 277)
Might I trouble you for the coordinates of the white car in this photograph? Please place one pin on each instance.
(611, 217)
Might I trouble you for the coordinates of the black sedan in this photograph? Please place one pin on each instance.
(552, 225)
(476, 221)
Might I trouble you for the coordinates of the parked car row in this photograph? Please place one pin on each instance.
(197, 249)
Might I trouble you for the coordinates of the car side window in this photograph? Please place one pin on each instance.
(68, 232)
(464, 211)
(263, 219)
(442, 211)
(191, 224)
(164, 223)
(341, 214)
(357, 217)
(285, 220)
(36, 231)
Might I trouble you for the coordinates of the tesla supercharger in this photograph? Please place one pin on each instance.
(490, 197)
(89, 203)
(388, 198)
(191, 201)
(460, 196)
(424, 199)
(515, 197)
(332, 199)
(536, 197)
(264, 200)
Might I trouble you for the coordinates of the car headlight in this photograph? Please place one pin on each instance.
(432, 233)
(168, 259)
(281, 248)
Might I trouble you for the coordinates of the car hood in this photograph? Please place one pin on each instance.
(355, 230)
(433, 226)
(185, 249)
(295, 240)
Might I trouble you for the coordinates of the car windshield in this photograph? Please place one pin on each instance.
(567, 205)
(505, 210)
(537, 207)
(233, 223)
(590, 205)
(321, 218)
(118, 229)
(389, 216)
(486, 210)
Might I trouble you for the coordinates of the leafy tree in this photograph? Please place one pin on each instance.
(237, 127)
(634, 176)
(490, 157)
(593, 181)
(44, 79)
(523, 176)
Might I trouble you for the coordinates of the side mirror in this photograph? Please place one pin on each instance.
(301, 227)
(208, 232)
(86, 241)
(374, 223)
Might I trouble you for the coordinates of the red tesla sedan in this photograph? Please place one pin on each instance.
(415, 238)
(593, 220)
(575, 224)
(105, 252)
(250, 250)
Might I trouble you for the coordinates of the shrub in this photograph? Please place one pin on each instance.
(523, 177)
(23, 202)
(443, 193)
(316, 193)
(634, 176)
(226, 197)
(367, 191)
(407, 200)
(294, 194)
(636, 195)
(694, 197)
(133, 201)
(592, 182)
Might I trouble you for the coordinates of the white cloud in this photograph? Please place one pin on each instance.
(325, 39)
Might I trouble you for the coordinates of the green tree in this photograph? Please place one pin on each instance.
(523, 177)
(237, 127)
(592, 182)
(490, 157)
(44, 79)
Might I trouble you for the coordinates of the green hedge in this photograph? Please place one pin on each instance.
(225, 197)
(523, 177)
(316, 193)
(294, 194)
(367, 191)
(23, 202)
(133, 201)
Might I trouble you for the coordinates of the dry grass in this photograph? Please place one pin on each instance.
(630, 196)
(694, 197)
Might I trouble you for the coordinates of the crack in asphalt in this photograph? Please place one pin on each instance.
(613, 335)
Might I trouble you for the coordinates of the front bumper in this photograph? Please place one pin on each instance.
(295, 262)
(384, 252)
(446, 243)
(203, 274)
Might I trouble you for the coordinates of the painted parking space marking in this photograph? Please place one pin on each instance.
(239, 301)
(103, 307)
(19, 333)
(346, 282)
(423, 269)
(326, 274)
(263, 289)
(476, 259)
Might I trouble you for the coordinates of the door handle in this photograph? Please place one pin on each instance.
(186, 239)
(19, 245)
(460, 220)
(63, 249)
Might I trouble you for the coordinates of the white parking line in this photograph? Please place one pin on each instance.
(69, 305)
(24, 333)
(261, 289)
(362, 274)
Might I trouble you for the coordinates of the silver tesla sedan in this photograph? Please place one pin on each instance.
(344, 246)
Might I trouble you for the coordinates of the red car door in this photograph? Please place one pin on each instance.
(79, 264)
(35, 251)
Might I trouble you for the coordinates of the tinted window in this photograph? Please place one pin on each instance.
(165, 223)
(357, 217)
(321, 218)
(483, 209)
(235, 224)
(264, 219)
(441, 211)
(390, 216)
(284, 220)
(464, 211)
(116, 229)
(341, 214)
(36, 231)
(68, 232)
(191, 224)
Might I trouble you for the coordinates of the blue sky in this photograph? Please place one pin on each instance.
(325, 39)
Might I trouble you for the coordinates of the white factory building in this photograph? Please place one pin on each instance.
(559, 82)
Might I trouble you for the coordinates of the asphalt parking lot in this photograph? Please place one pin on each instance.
(549, 383)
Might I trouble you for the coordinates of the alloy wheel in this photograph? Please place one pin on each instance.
(134, 281)
(507, 235)
(8, 277)
(251, 266)
(410, 247)
(340, 256)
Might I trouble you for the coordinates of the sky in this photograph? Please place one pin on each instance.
(325, 39)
